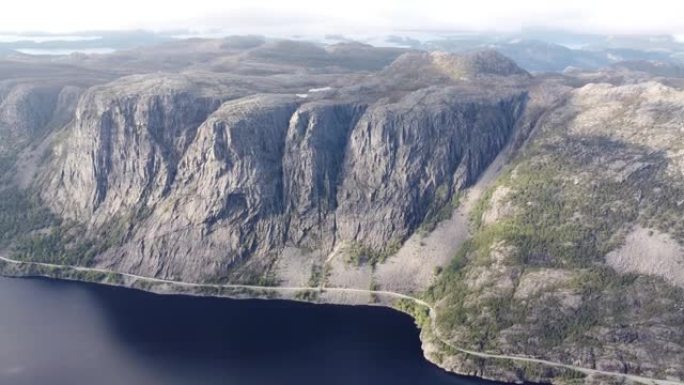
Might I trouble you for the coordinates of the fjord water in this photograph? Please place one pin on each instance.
(66, 333)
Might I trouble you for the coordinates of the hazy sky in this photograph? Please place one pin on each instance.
(340, 16)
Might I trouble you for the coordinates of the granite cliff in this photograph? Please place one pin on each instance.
(220, 179)
(539, 215)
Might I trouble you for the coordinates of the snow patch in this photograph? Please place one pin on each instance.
(320, 89)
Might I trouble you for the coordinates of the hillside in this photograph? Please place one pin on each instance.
(540, 216)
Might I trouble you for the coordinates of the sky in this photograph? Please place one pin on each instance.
(275, 17)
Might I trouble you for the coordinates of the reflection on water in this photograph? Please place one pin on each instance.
(58, 333)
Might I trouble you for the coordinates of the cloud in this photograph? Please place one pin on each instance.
(315, 16)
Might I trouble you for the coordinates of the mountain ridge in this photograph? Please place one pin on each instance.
(240, 164)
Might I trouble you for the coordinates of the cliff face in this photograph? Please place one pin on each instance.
(576, 252)
(123, 148)
(295, 165)
(401, 153)
(28, 110)
(218, 187)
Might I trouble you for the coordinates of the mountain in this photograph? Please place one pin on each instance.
(656, 68)
(549, 51)
(577, 246)
(535, 215)
(266, 169)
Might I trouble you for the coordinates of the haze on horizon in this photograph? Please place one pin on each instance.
(310, 17)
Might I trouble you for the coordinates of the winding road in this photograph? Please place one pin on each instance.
(391, 294)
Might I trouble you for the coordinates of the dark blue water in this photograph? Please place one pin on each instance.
(64, 333)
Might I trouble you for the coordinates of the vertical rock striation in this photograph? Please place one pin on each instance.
(206, 189)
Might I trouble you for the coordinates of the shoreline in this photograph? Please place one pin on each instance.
(463, 362)
(24, 269)
(291, 302)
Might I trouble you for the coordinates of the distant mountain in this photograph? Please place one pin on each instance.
(657, 68)
(538, 215)
(85, 40)
(542, 56)
(536, 51)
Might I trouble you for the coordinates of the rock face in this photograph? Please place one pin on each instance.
(401, 153)
(525, 209)
(219, 184)
(576, 255)
(100, 171)
(28, 110)
(650, 252)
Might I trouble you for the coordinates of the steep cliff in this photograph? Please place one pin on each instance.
(219, 184)
(29, 111)
(539, 216)
(576, 253)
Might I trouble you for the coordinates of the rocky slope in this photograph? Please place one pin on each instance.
(541, 215)
(29, 111)
(576, 254)
(218, 180)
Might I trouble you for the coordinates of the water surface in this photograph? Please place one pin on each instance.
(66, 333)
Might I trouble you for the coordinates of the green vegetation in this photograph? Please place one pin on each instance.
(319, 275)
(374, 286)
(20, 213)
(318, 278)
(481, 207)
(359, 254)
(571, 207)
(65, 244)
(562, 220)
(438, 270)
(35, 234)
(52, 247)
(420, 313)
(308, 295)
(451, 275)
(531, 370)
(268, 277)
(441, 208)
